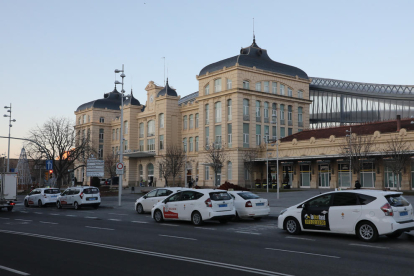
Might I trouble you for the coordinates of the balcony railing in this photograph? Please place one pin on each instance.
(282, 121)
(266, 119)
(246, 118)
(150, 134)
(141, 135)
(300, 124)
(290, 123)
(258, 119)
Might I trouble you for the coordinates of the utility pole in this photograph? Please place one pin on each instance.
(9, 109)
(122, 130)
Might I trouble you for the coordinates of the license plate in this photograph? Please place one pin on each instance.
(53, 196)
(404, 213)
(92, 198)
(259, 204)
(222, 205)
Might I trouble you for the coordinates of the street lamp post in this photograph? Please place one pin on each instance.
(266, 139)
(185, 164)
(274, 119)
(9, 109)
(122, 130)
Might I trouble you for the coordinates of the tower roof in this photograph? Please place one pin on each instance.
(167, 90)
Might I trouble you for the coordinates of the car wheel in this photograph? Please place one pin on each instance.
(58, 205)
(366, 231)
(76, 205)
(223, 221)
(39, 204)
(10, 208)
(140, 209)
(158, 216)
(196, 218)
(394, 235)
(292, 226)
(257, 219)
(26, 204)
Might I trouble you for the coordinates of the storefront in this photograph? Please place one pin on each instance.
(368, 175)
(305, 174)
(324, 171)
(391, 179)
(344, 177)
(287, 173)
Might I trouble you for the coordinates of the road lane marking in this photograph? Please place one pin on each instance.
(88, 212)
(91, 217)
(251, 233)
(306, 253)
(39, 213)
(115, 219)
(24, 219)
(54, 214)
(117, 214)
(48, 222)
(373, 246)
(300, 238)
(99, 228)
(13, 270)
(168, 224)
(205, 228)
(175, 237)
(139, 221)
(153, 254)
(71, 215)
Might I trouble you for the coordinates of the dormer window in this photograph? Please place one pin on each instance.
(228, 84)
(258, 86)
(102, 120)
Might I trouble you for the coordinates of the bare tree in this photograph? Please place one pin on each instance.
(164, 169)
(110, 164)
(249, 157)
(398, 152)
(173, 161)
(357, 148)
(216, 157)
(58, 142)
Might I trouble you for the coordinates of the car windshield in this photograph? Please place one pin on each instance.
(397, 200)
(248, 195)
(91, 191)
(220, 196)
(52, 191)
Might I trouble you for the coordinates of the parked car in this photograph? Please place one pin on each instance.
(41, 197)
(108, 181)
(146, 202)
(365, 213)
(195, 206)
(249, 205)
(79, 197)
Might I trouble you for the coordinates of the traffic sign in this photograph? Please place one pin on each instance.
(95, 167)
(120, 168)
(49, 164)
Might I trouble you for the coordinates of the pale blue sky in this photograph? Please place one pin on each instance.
(56, 55)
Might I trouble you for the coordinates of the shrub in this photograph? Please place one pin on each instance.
(228, 185)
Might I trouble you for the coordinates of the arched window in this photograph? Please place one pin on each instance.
(185, 122)
(141, 130)
(126, 127)
(207, 113)
(300, 94)
(150, 168)
(246, 107)
(266, 110)
(274, 113)
(290, 92)
(207, 89)
(229, 110)
(217, 85)
(141, 172)
(246, 84)
(185, 144)
(229, 170)
(290, 115)
(191, 121)
(196, 120)
(102, 120)
(151, 128)
(217, 108)
(161, 118)
(258, 86)
(196, 143)
(257, 109)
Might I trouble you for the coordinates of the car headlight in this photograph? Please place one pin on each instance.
(283, 211)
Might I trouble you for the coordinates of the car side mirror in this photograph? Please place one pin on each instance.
(145, 197)
(305, 206)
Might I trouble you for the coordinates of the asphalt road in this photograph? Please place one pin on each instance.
(48, 241)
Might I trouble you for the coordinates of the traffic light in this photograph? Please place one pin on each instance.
(51, 173)
(46, 176)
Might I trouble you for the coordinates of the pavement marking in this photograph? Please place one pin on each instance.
(177, 237)
(13, 270)
(24, 212)
(4, 218)
(373, 246)
(54, 214)
(168, 224)
(139, 221)
(153, 254)
(99, 228)
(205, 228)
(48, 222)
(115, 219)
(71, 215)
(117, 214)
(39, 213)
(24, 219)
(300, 238)
(91, 217)
(248, 233)
(321, 255)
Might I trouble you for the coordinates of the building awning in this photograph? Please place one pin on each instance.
(139, 154)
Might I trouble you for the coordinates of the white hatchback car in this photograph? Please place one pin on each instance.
(79, 196)
(146, 202)
(41, 197)
(365, 213)
(196, 206)
(249, 205)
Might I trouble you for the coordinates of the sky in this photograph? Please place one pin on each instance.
(57, 55)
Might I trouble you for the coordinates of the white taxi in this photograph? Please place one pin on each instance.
(79, 197)
(196, 206)
(249, 205)
(146, 202)
(41, 197)
(365, 213)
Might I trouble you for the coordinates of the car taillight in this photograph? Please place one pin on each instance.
(208, 203)
(387, 209)
(12, 203)
(248, 204)
(81, 195)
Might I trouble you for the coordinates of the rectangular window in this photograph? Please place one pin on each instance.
(274, 87)
(228, 83)
(218, 112)
(300, 118)
(191, 121)
(217, 133)
(274, 134)
(282, 114)
(161, 142)
(207, 113)
(290, 92)
(282, 90)
(141, 130)
(290, 131)
(282, 132)
(101, 135)
(266, 133)
(162, 120)
(245, 135)
(126, 127)
(217, 85)
(196, 120)
(113, 134)
(125, 145)
(141, 145)
(196, 143)
(258, 86)
(300, 94)
(84, 119)
(229, 110)
(185, 144)
(257, 109)
(100, 152)
(300, 130)
(258, 135)
(266, 86)
(185, 122)
(246, 85)
(229, 135)
(289, 113)
(191, 144)
(117, 134)
(207, 135)
(207, 174)
(207, 89)
(151, 144)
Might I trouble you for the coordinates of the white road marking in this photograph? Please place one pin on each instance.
(39, 213)
(24, 219)
(139, 221)
(99, 228)
(71, 215)
(13, 270)
(115, 219)
(154, 254)
(168, 224)
(364, 245)
(300, 238)
(48, 222)
(117, 214)
(24, 212)
(177, 237)
(91, 217)
(205, 228)
(248, 233)
(299, 252)
(4, 218)
(55, 214)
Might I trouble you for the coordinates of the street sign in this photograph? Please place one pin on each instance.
(119, 168)
(95, 167)
(49, 164)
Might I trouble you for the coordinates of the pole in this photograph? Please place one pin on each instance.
(350, 157)
(8, 153)
(122, 137)
(267, 166)
(185, 165)
(277, 162)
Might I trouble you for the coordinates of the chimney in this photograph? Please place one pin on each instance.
(398, 122)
